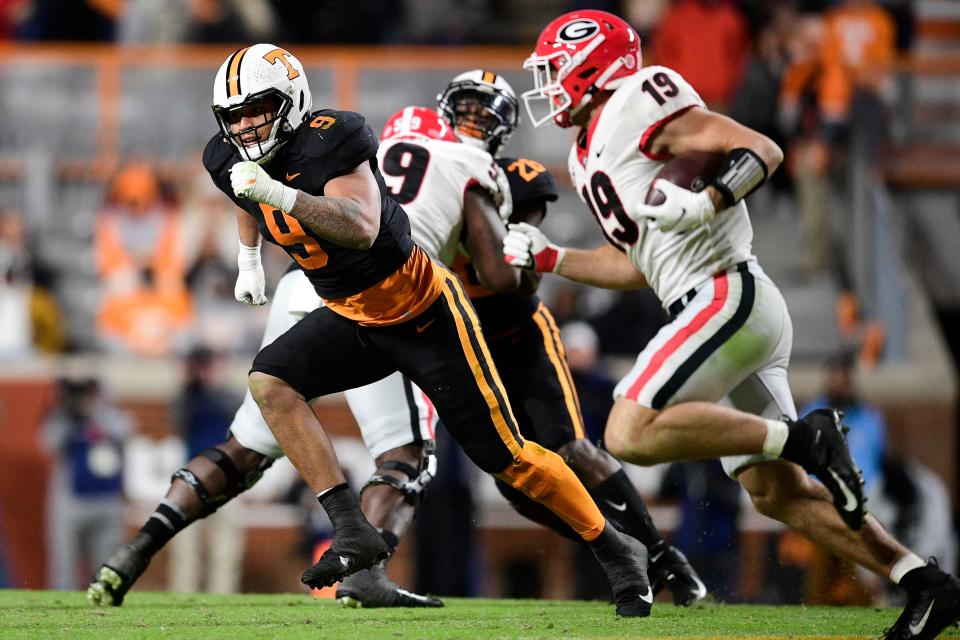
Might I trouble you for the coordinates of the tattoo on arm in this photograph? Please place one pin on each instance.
(339, 220)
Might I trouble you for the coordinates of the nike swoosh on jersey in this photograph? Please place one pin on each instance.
(915, 629)
(648, 596)
(291, 176)
(621, 506)
(851, 500)
(423, 327)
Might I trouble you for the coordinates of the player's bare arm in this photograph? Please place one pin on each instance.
(701, 130)
(247, 229)
(483, 236)
(605, 266)
(349, 211)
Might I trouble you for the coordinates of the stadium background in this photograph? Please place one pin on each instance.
(860, 231)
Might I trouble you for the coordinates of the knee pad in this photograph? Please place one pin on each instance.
(414, 488)
(236, 483)
(536, 471)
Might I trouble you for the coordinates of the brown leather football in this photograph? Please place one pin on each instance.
(692, 171)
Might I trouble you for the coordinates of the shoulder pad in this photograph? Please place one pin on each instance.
(530, 181)
(327, 129)
(219, 155)
(331, 143)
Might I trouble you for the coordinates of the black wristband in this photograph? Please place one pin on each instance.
(741, 173)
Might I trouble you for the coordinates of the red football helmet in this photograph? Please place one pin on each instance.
(577, 55)
(418, 122)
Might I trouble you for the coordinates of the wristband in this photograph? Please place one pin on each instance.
(248, 258)
(741, 173)
(280, 196)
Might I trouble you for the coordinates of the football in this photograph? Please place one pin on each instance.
(691, 171)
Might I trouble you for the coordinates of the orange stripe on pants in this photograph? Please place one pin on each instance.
(543, 476)
(558, 358)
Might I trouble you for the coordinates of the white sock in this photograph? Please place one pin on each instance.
(905, 565)
(777, 432)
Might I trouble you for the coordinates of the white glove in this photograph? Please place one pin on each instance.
(526, 246)
(682, 209)
(250, 181)
(251, 287)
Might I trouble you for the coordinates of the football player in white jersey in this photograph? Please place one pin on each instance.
(525, 343)
(730, 335)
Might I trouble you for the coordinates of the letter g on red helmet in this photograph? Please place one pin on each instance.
(578, 55)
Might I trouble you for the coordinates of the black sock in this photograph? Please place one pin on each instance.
(391, 539)
(798, 443)
(929, 575)
(164, 523)
(620, 503)
(342, 505)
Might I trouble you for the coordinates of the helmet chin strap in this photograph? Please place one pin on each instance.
(273, 137)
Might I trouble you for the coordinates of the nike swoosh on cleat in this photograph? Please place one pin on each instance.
(344, 561)
(915, 629)
(648, 596)
(415, 596)
(851, 503)
(622, 506)
(701, 588)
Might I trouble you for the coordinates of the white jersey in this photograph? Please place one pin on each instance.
(612, 172)
(429, 178)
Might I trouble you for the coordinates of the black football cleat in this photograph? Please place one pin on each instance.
(116, 576)
(353, 549)
(828, 457)
(670, 568)
(372, 589)
(624, 560)
(928, 612)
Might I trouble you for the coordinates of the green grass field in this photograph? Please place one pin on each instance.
(44, 615)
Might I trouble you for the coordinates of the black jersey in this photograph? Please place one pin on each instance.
(530, 182)
(332, 143)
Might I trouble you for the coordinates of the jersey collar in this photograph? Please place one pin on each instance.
(585, 136)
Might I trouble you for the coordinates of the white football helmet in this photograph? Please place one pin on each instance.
(482, 108)
(265, 76)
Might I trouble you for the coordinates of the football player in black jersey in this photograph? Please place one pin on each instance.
(308, 182)
(526, 347)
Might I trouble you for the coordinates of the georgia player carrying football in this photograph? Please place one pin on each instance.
(730, 335)
(525, 343)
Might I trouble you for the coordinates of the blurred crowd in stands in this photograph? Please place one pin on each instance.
(165, 255)
(791, 70)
